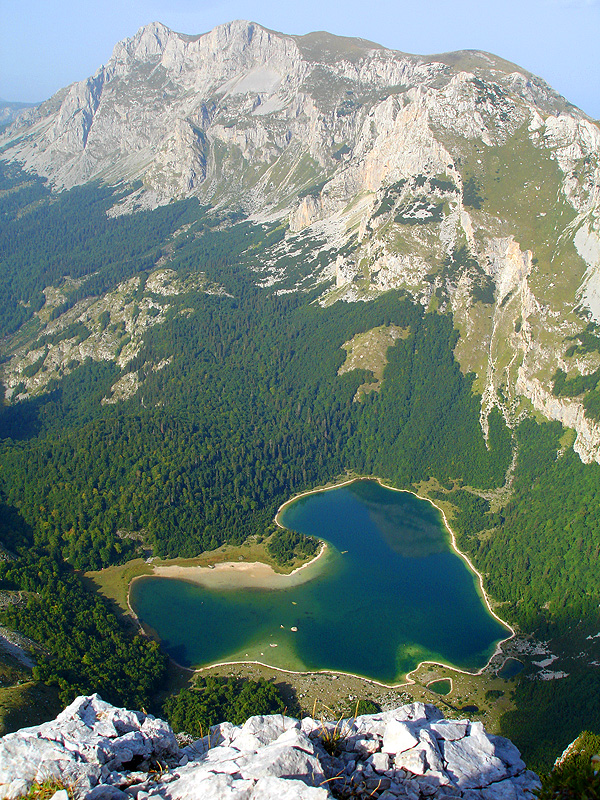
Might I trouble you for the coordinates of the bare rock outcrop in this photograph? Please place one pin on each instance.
(410, 752)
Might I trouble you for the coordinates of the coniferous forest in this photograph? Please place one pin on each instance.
(250, 410)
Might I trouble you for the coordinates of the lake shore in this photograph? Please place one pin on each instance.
(479, 582)
(239, 574)
(259, 575)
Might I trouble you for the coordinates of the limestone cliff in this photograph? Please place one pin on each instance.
(459, 178)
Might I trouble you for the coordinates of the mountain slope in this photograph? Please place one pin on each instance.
(459, 178)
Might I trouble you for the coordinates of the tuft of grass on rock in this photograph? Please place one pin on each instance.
(47, 789)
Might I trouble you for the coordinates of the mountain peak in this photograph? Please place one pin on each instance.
(446, 175)
(327, 47)
(149, 41)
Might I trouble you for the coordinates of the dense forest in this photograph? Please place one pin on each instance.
(245, 429)
(248, 410)
(213, 700)
(286, 545)
(85, 648)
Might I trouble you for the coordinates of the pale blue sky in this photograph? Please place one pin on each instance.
(47, 44)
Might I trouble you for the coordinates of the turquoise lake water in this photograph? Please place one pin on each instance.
(399, 595)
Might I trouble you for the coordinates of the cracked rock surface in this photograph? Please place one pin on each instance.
(109, 753)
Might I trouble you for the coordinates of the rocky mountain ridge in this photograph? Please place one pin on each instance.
(9, 112)
(165, 103)
(410, 752)
(458, 178)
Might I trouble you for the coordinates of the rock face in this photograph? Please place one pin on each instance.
(185, 113)
(458, 178)
(411, 752)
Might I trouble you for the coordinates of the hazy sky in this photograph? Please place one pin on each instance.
(47, 44)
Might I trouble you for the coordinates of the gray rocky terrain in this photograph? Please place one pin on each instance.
(109, 753)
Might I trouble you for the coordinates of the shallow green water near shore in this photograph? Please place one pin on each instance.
(390, 593)
(443, 686)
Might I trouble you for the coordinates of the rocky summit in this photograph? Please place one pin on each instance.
(412, 752)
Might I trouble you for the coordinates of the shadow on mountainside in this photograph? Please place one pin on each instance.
(21, 420)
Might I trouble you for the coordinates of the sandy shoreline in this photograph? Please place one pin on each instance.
(241, 574)
(308, 492)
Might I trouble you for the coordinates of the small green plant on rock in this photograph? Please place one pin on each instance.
(332, 738)
(578, 776)
(47, 789)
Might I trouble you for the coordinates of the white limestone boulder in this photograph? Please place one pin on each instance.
(292, 755)
(411, 752)
(262, 730)
(84, 743)
(398, 737)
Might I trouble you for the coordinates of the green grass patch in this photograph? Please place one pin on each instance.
(512, 179)
(26, 704)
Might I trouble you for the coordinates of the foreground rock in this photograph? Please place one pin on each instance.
(411, 752)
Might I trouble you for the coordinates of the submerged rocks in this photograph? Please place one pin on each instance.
(411, 752)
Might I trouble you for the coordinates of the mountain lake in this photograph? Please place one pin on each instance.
(389, 592)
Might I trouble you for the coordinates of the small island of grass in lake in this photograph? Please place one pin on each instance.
(397, 596)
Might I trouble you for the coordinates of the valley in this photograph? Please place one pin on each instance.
(315, 259)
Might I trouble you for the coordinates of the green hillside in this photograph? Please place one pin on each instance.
(239, 403)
